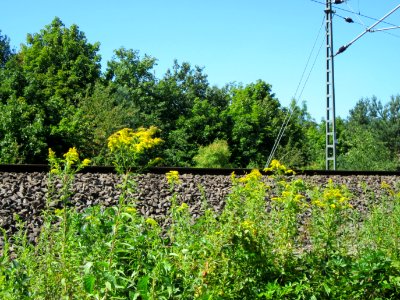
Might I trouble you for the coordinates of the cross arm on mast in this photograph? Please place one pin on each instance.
(369, 29)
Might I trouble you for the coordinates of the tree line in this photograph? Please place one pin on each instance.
(54, 94)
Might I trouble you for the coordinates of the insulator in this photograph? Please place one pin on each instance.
(349, 20)
(342, 49)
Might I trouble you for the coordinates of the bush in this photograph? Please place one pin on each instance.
(215, 155)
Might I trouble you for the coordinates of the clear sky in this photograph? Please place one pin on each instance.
(235, 41)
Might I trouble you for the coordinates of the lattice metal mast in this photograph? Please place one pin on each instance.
(330, 78)
(330, 147)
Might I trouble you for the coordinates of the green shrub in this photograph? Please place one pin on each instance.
(215, 155)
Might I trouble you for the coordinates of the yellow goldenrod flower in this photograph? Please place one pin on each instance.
(71, 156)
(151, 222)
(298, 197)
(55, 171)
(130, 210)
(254, 175)
(52, 154)
(279, 168)
(183, 207)
(173, 177)
(86, 162)
(134, 141)
(233, 176)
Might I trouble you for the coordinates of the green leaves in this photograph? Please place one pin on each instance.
(5, 50)
(215, 155)
(253, 249)
(88, 283)
(42, 85)
(255, 119)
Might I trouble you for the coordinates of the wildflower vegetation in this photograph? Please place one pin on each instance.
(274, 239)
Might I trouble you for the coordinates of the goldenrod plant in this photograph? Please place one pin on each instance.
(277, 168)
(276, 238)
(127, 147)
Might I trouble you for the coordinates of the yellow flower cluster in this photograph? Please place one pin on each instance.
(333, 198)
(130, 210)
(134, 141)
(151, 222)
(292, 193)
(249, 227)
(183, 207)
(173, 177)
(71, 156)
(86, 162)
(277, 167)
(52, 154)
(385, 186)
(254, 175)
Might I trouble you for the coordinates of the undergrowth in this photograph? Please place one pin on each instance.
(304, 242)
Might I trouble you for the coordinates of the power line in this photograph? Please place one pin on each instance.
(343, 48)
(289, 114)
(371, 30)
(349, 11)
(384, 30)
(357, 14)
(347, 20)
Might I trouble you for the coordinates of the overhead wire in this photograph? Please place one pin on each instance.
(344, 47)
(290, 112)
(357, 14)
(349, 11)
(344, 18)
(372, 30)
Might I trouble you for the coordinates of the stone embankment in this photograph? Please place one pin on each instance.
(24, 194)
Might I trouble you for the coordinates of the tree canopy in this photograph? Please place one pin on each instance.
(53, 93)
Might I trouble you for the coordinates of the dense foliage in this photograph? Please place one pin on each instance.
(53, 94)
(306, 242)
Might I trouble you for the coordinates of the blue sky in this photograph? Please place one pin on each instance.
(235, 41)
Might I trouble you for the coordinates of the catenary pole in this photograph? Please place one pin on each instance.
(330, 137)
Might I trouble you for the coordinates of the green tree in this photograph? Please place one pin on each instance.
(177, 92)
(49, 75)
(22, 132)
(102, 115)
(382, 122)
(294, 148)
(181, 95)
(254, 117)
(314, 145)
(365, 152)
(5, 50)
(204, 123)
(59, 63)
(133, 83)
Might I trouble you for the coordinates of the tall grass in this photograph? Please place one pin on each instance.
(304, 242)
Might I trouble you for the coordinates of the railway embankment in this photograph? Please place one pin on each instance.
(23, 195)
